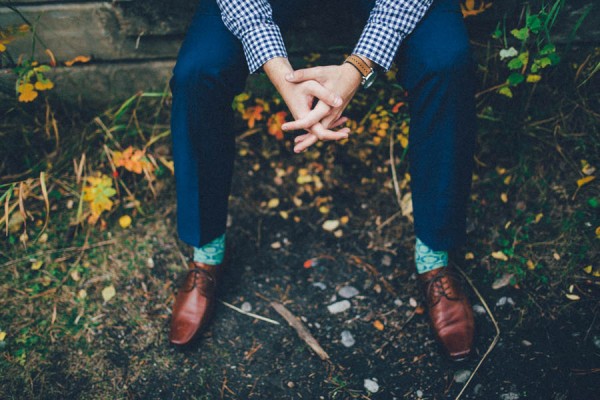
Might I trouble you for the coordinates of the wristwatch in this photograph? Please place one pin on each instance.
(368, 73)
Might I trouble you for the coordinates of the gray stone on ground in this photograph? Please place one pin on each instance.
(371, 385)
(246, 307)
(320, 285)
(348, 339)
(348, 292)
(510, 396)
(462, 375)
(478, 309)
(339, 307)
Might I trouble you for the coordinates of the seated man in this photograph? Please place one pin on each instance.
(428, 41)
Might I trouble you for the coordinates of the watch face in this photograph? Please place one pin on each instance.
(369, 79)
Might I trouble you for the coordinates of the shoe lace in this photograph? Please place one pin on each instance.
(441, 286)
(197, 272)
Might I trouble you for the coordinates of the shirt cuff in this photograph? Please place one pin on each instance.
(261, 44)
(379, 44)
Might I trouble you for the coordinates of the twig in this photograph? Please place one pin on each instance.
(394, 176)
(269, 320)
(496, 338)
(74, 248)
(301, 330)
(389, 220)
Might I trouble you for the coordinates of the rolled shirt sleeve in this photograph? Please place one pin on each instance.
(252, 22)
(389, 23)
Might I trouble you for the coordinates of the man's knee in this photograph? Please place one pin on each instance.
(448, 60)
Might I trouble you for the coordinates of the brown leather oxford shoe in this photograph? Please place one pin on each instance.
(195, 301)
(450, 311)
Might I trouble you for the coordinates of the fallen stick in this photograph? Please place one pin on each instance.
(493, 344)
(269, 320)
(301, 330)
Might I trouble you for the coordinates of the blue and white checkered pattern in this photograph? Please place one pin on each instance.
(389, 23)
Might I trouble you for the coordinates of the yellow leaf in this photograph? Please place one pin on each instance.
(469, 256)
(378, 325)
(75, 276)
(586, 180)
(533, 78)
(556, 256)
(530, 265)
(2, 48)
(2, 336)
(98, 193)
(504, 197)
(572, 297)
(507, 180)
(588, 269)
(284, 214)
(108, 292)
(339, 233)
(323, 209)
(598, 232)
(344, 220)
(273, 203)
(125, 221)
(538, 217)
(37, 265)
(82, 294)
(78, 59)
(498, 255)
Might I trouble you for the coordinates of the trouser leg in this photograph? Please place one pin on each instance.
(437, 69)
(209, 72)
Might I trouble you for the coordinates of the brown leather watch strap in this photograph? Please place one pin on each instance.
(359, 64)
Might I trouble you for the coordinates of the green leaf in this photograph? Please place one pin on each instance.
(534, 23)
(594, 202)
(497, 33)
(505, 91)
(554, 58)
(521, 34)
(515, 78)
(547, 49)
(515, 63)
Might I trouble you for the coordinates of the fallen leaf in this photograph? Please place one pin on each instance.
(78, 59)
(284, 214)
(276, 245)
(556, 256)
(538, 218)
(75, 276)
(469, 256)
(273, 203)
(588, 269)
(108, 292)
(125, 221)
(498, 255)
(338, 234)
(36, 265)
(572, 297)
(530, 265)
(378, 325)
(502, 281)
(344, 220)
(504, 197)
(331, 225)
(2, 336)
(585, 181)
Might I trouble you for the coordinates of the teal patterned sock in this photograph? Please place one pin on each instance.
(211, 253)
(428, 259)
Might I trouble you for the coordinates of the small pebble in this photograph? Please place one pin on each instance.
(348, 339)
(462, 375)
(412, 302)
(150, 262)
(398, 303)
(246, 307)
(290, 385)
(477, 389)
(596, 341)
(386, 260)
(419, 393)
(339, 307)
(509, 396)
(348, 292)
(320, 285)
(371, 385)
(526, 343)
(478, 309)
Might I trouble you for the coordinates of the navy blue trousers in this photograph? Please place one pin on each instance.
(435, 67)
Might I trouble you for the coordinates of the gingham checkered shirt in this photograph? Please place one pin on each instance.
(389, 23)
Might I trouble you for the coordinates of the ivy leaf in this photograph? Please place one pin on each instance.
(515, 63)
(548, 49)
(521, 34)
(508, 53)
(515, 78)
(534, 23)
(505, 91)
(532, 78)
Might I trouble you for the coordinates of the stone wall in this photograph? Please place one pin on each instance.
(133, 44)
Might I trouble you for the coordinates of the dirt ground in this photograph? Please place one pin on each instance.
(548, 348)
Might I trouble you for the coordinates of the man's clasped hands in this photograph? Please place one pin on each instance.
(333, 86)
